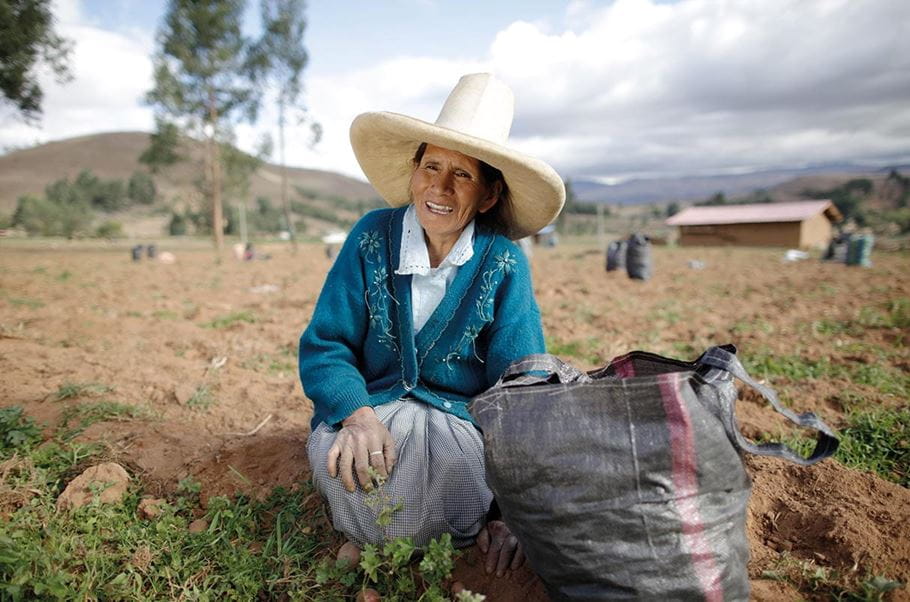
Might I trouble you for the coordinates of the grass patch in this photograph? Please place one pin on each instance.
(896, 314)
(26, 302)
(878, 441)
(70, 390)
(201, 399)
(807, 576)
(278, 548)
(237, 317)
(281, 363)
(16, 430)
(79, 417)
(588, 351)
(877, 375)
(875, 441)
(165, 314)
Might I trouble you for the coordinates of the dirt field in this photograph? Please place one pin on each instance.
(210, 351)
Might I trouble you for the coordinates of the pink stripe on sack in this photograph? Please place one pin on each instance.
(685, 482)
(623, 367)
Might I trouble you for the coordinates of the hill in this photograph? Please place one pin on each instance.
(116, 156)
(782, 185)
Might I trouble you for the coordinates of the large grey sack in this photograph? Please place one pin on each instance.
(627, 482)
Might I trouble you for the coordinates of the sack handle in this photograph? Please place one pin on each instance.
(519, 373)
(826, 442)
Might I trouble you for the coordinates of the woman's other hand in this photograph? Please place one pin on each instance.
(502, 549)
(363, 441)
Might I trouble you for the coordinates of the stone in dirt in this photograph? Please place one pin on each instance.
(110, 478)
(150, 507)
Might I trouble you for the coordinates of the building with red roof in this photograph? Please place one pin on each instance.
(799, 225)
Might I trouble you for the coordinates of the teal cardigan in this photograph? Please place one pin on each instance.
(360, 350)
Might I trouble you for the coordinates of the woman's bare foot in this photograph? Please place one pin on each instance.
(348, 553)
(501, 548)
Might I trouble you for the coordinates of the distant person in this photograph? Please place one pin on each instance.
(425, 306)
(249, 254)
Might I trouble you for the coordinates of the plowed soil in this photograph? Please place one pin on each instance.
(209, 349)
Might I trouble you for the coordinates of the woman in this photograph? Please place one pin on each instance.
(425, 306)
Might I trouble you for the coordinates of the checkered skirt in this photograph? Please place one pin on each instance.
(438, 479)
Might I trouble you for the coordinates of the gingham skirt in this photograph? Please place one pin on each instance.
(438, 480)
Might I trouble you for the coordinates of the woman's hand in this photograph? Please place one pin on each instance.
(501, 547)
(363, 441)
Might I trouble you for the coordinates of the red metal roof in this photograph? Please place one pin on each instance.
(753, 213)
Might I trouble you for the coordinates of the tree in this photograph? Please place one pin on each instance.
(141, 188)
(203, 85)
(280, 59)
(27, 40)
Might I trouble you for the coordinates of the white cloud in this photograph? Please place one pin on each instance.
(627, 87)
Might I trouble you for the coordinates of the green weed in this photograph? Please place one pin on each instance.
(237, 317)
(26, 302)
(64, 276)
(165, 314)
(201, 399)
(587, 351)
(16, 431)
(79, 417)
(807, 576)
(70, 390)
(878, 441)
(896, 314)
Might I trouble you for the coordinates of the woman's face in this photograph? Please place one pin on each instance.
(448, 190)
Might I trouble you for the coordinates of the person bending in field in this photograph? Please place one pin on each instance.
(425, 306)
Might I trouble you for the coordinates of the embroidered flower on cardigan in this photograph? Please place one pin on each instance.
(502, 265)
(377, 295)
(369, 242)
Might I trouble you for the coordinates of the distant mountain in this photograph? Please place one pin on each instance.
(692, 188)
(116, 156)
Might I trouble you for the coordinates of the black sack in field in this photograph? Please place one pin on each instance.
(616, 255)
(627, 482)
(638, 257)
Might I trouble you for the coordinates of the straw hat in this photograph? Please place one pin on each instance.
(475, 121)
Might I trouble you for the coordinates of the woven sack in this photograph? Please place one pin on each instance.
(627, 482)
(638, 257)
(616, 255)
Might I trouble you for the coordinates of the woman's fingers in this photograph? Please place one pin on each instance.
(331, 460)
(503, 552)
(389, 452)
(345, 464)
(361, 464)
(377, 460)
(518, 559)
(483, 540)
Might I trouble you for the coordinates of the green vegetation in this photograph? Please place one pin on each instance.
(79, 417)
(29, 42)
(878, 441)
(246, 549)
(588, 351)
(16, 430)
(68, 208)
(808, 576)
(70, 390)
(237, 317)
(201, 399)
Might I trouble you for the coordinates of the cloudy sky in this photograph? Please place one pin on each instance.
(604, 89)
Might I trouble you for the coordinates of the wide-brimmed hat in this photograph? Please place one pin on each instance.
(475, 121)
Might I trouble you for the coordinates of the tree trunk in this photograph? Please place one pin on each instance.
(285, 202)
(215, 190)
